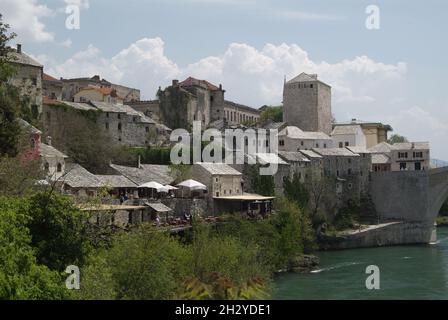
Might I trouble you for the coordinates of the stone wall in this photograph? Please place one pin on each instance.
(388, 234)
(308, 106)
(28, 80)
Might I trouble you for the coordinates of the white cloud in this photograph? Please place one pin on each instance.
(362, 87)
(66, 43)
(25, 18)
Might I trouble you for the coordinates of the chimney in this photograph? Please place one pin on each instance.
(49, 140)
(175, 83)
(19, 48)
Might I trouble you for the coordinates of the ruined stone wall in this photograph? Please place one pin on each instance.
(28, 80)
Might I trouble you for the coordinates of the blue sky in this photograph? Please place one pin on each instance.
(395, 74)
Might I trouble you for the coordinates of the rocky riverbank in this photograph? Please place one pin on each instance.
(302, 264)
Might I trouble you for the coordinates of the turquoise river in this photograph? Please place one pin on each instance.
(406, 272)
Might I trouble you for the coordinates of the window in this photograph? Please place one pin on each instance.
(317, 145)
(418, 166)
(33, 143)
(347, 144)
(349, 171)
(325, 146)
(134, 119)
(107, 125)
(402, 165)
(47, 167)
(59, 169)
(217, 179)
(301, 143)
(107, 114)
(230, 191)
(418, 154)
(119, 116)
(225, 192)
(147, 129)
(34, 81)
(349, 160)
(217, 194)
(119, 127)
(311, 86)
(282, 143)
(350, 186)
(341, 145)
(402, 155)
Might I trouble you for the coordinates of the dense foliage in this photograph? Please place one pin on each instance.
(396, 138)
(273, 113)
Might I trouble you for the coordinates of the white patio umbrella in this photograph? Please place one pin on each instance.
(151, 185)
(192, 185)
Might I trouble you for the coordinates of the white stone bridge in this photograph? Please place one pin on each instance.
(413, 197)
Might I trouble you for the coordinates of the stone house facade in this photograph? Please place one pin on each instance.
(28, 79)
(122, 124)
(349, 136)
(294, 139)
(51, 87)
(198, 100)
(410, 156)
(73, 86)
(221, 179)
(98, 94)
(307, 103)
(374, 132)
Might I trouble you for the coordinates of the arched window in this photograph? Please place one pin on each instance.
(59, 167)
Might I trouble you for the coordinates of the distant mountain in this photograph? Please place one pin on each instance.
(436, 163)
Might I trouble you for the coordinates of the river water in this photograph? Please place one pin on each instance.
(406, 272)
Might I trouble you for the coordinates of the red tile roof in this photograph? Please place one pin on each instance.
(190, 81)
(47, 77)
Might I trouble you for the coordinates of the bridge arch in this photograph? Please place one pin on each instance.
(438, 188)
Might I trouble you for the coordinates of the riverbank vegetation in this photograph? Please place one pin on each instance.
(43, 233)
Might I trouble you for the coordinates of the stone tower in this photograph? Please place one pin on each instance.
(307, 103)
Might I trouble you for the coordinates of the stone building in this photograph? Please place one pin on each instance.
(374, 132)
(225, 190)
(28, 78)
(122, 124)
(150, 108)
(345, 167)
(198, 100)
(292, 138)
(53, 161)
(73, 86)
(51, 87)
(236, 113)
(410, 156)
(98, 94)
(407, 156)
(220, 179)
(307, 103)
(299, 164)
(351, 135)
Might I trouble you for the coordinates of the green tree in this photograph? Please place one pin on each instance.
(261, 184)
(58, 230)
(274, 113)
(396, 138)
(20, 275)
(9, 98)
(295, 191)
